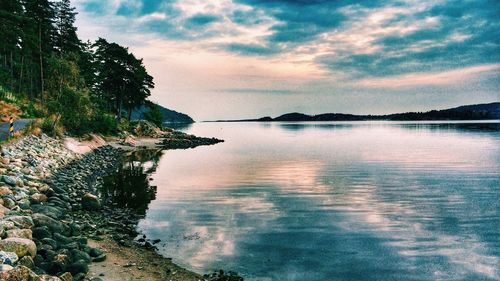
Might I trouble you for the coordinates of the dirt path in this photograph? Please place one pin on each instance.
(135, 264)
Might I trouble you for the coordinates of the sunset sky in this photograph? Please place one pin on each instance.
(226, 59)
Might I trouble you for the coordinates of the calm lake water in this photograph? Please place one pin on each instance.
(333, 201)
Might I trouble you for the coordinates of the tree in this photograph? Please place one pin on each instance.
(138, 87)
(42, 14)
(11, 13)
(66, 40)
(121, 78)
(154, 115)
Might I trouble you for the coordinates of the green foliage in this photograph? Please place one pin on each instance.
(154, 115)
(104, 123)
(52, 127)
(28, 109)
(73, 109)
(66, 40)
(45, 70)
(122, 79)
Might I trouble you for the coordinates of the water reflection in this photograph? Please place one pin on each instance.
(129, 187)
(356, 202)
(425, 125)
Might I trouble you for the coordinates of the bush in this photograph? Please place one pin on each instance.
(72, 110)
(103, 123)
(52, 127)
(29, 110)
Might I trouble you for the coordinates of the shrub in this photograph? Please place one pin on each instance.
(103, 123)
(51, 126)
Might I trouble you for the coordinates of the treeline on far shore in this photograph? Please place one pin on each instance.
(486, 111)
(76, 87)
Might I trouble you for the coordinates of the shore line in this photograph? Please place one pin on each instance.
(54, 226)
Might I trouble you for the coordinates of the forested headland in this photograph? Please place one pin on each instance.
(76, 87)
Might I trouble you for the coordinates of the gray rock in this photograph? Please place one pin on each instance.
(10, 180)
(61, 239)
(21, 221)
(9, 258)
(50, 211)
(95, 252)
(50, 241)
(80, 255)
(91, 202)
(41, 232)
(52, 224)
(24, 204)
(79, 266)
(99, 258)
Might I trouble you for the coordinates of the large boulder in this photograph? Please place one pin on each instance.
(20, 233)
(51, 211)
(91, 202)
(21, 221)
(52, 224)
(20, 246)
(10, 180)
(79, 266)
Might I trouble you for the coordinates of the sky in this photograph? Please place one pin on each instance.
(230, 59)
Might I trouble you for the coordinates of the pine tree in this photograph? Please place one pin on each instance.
(11, 13)
(66, 39)
(42, 14)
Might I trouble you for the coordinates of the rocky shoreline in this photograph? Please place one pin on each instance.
(50, 208)
(180, 140)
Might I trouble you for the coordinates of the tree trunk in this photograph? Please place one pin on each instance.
(41, 60)
(11, 71)
(21, 74)
(31, 82)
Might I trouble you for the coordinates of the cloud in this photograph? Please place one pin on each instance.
(449, 77)
(418, 38)
(258, 91)
(201, 19)
(346, 54)
(250, 49)
(360, 38)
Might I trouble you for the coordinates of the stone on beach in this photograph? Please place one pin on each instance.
(20, 246)
(91, 202)
(10, 180)
(9, 258)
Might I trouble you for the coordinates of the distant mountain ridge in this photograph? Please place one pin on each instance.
(486, 111)
(169, 116)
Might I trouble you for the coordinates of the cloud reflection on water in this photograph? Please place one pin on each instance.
(387, 198)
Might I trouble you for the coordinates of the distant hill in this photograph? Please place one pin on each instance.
(170, 116)
(487, 111)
